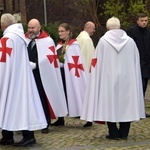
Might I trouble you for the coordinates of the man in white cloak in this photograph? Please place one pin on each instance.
(46, 70)
(114, 91)
(20, 105)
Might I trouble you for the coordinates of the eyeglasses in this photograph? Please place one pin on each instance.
(61, 31)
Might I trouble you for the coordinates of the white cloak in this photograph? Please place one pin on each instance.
(50, 75)
(20, 105)
(76, 78)
(87, 47)
(114, 90)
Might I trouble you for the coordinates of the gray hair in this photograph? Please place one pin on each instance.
(113, 23)
(8, 19)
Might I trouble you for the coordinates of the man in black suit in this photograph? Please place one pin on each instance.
(141, 36)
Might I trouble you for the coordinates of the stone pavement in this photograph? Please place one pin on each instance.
(74, 137)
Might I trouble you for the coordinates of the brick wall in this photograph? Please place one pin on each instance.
(57, 11)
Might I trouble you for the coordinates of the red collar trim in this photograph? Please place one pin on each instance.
(43, 34)
(69, 42)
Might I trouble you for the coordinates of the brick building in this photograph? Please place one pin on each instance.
(47, 11)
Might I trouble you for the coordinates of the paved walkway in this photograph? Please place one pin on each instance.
(74, 137)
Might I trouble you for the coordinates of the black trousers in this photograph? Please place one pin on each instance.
(144, 83)
(64, 81)
(25, 133)
(121, 132)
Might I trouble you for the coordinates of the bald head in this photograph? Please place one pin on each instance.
(34, 22)
(89, 27)
(34, 28)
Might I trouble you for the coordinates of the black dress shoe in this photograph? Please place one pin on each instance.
(25, 142)
(123, 138)
(111, 138)
(45, 130)
(147, 115)
(88, 124)
(78, 117)
(58, 123)
(4, 141)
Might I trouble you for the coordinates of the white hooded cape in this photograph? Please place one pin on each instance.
(20, 105)
(114, 90)
(50, 74)
(76, 78)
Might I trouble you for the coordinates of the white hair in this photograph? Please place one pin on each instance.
(7, 19)
(113, 23)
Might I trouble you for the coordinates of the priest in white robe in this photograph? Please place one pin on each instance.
(87, 48)
(86, 44)
(114, 93)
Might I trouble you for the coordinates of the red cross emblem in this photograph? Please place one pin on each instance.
(76, 65)
(53, 58)
(93, 63)
(4, 50)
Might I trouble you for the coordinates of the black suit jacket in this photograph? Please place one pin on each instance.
(141, 36)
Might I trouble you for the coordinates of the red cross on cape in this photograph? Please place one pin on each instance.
(54, 57)
(75, 65)
(93, 63)
(4, 49)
